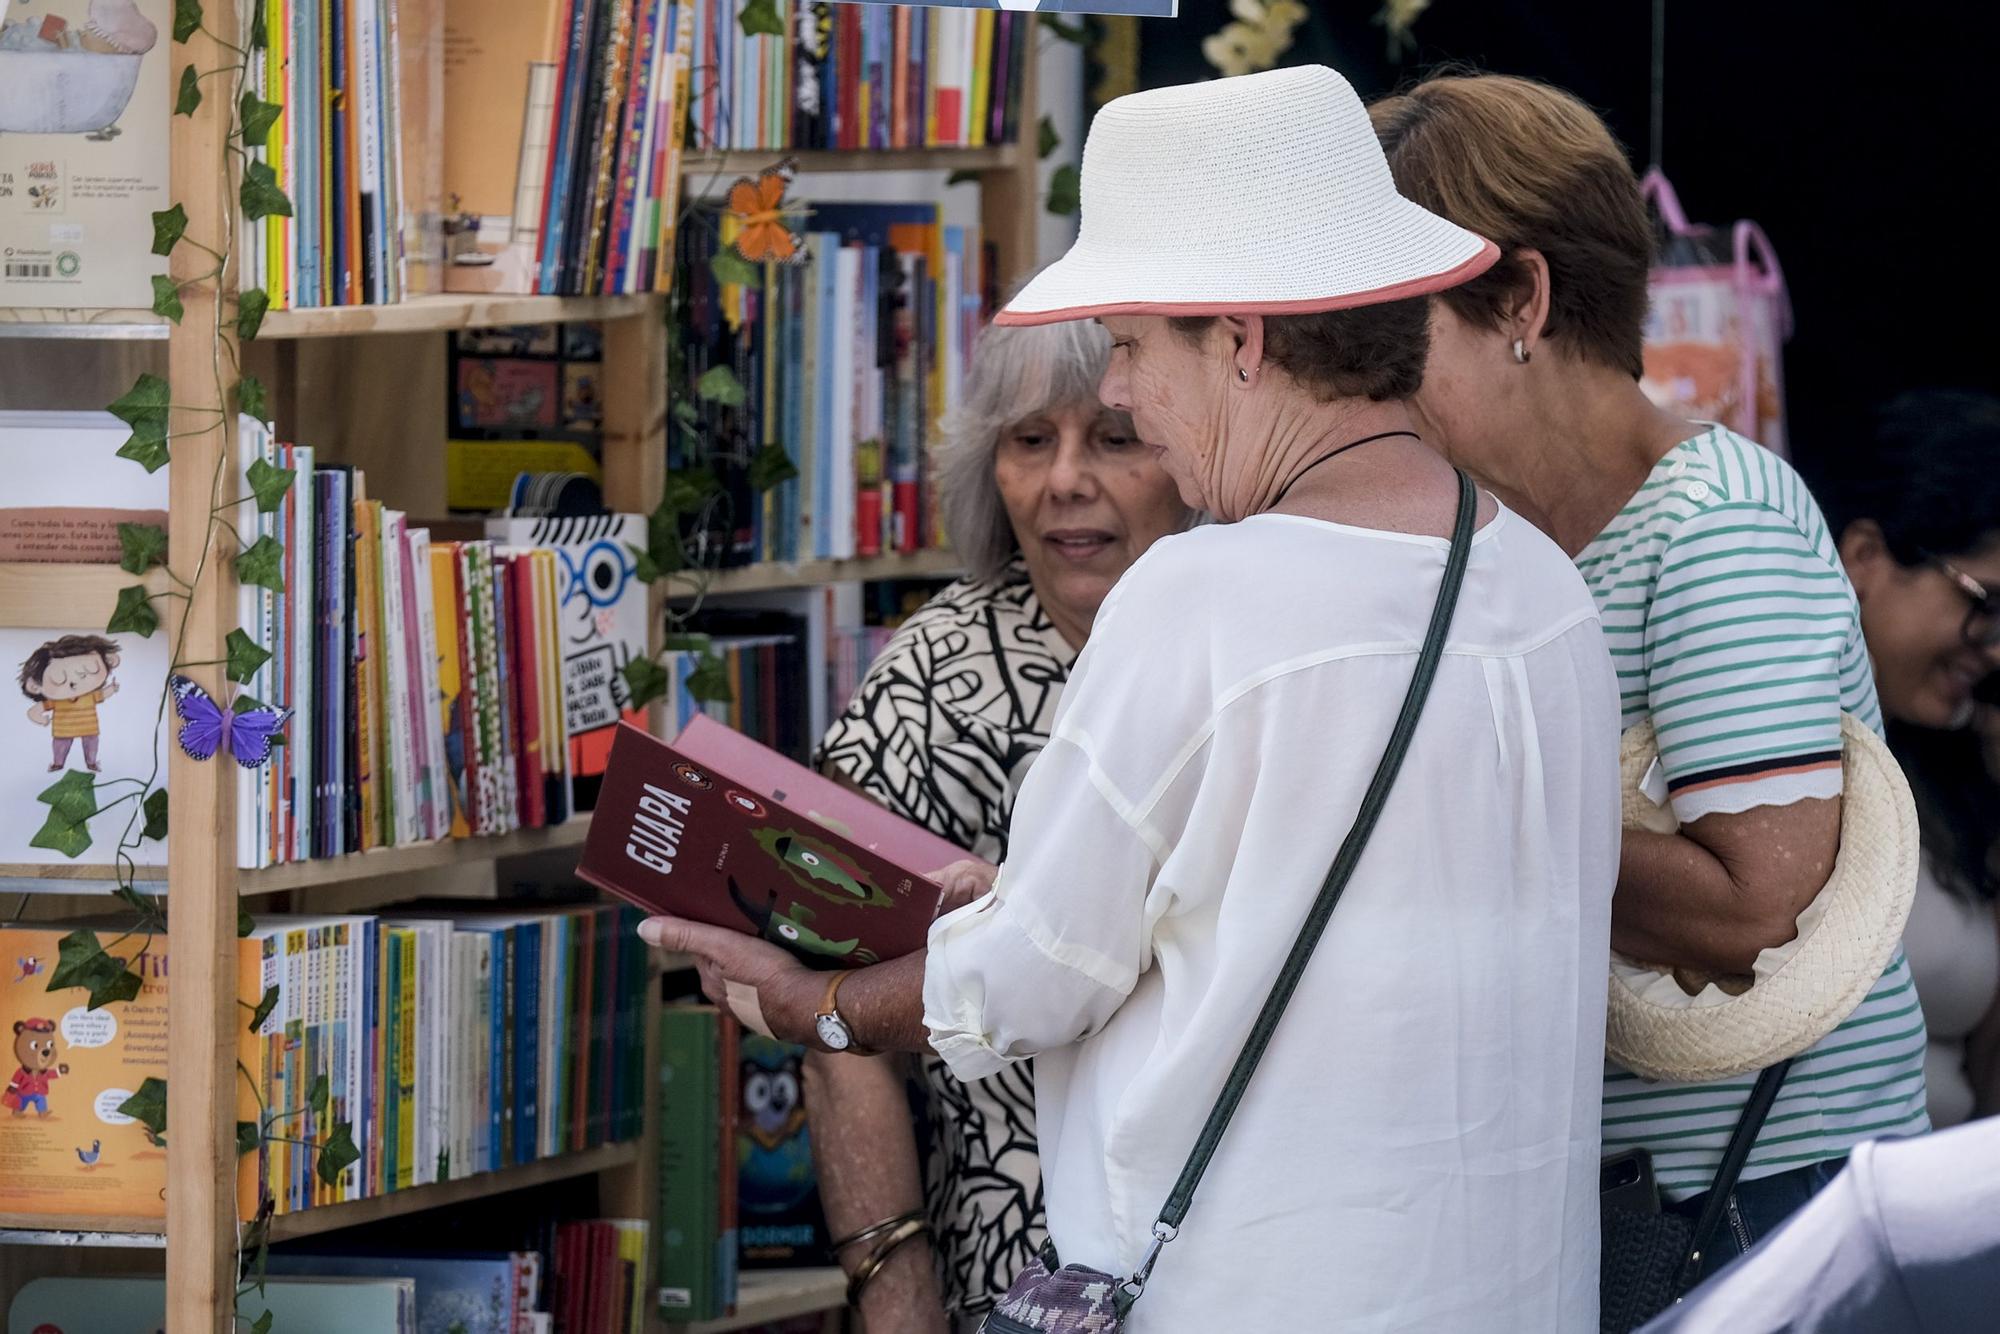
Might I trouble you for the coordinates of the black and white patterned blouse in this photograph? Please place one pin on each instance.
(942, 731)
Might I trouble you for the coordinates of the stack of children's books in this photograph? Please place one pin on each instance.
(444, 1042)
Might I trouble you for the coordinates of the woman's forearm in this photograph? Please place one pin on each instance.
(866, 1154)
(882, 1004)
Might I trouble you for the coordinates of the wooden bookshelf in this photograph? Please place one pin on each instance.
(811, 574)
(765, 1295)
(365, 385)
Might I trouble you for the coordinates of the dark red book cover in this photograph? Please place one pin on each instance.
(719, 829)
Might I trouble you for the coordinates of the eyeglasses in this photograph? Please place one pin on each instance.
(1981, 629)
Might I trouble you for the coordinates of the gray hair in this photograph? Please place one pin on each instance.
(1016, 372)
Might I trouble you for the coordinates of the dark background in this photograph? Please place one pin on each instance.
(1858, 136)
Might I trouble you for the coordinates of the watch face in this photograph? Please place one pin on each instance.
(832, 1033)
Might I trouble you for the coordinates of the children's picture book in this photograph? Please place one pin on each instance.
(67, 490)
(97, 1305)
(779, 1222)
(464, 1294)
(719, 829)
(83, 150)
(84, 703)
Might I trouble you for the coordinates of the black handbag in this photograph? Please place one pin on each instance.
(1650, 1257)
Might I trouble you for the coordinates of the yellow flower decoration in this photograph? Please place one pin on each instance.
(1260, 33)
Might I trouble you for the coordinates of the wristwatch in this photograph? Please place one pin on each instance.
(834, 1034)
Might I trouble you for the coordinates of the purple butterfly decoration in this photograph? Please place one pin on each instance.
(210, 727)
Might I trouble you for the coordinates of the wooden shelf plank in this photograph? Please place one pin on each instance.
(333, 1217)
(417, 857)
(765, 1295)
(760, 578)
(700, 166)
(340, 870)
(417, 315)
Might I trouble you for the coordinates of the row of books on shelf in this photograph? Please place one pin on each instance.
(736, 1180)
(857, 76)
(440, 1041)
(846, 361)
(588, 1277)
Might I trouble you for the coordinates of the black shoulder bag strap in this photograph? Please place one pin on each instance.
(1741, 1140)
(1329, 895)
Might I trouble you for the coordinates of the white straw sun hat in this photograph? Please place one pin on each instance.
(1802, 990)
(1265, 194)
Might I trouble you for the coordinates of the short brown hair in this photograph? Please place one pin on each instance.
(1529, 166)
(1375, 352)
(69, 646)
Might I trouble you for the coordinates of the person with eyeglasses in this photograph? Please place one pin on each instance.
(1918, 520)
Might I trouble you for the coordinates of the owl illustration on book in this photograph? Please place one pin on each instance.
(773, 1152)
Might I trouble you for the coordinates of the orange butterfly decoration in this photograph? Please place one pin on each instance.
(759, 206)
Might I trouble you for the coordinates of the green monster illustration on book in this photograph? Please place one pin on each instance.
(816, 867)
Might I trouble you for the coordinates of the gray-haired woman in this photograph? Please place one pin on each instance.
(1048, 497)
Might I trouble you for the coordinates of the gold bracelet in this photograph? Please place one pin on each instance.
(873, 1230)
(878, 1257)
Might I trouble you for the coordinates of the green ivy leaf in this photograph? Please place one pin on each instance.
(260, 35)
(260, 194)
(187, 17)
(258, 116)
(686, 644)
(269, 484)
(169, 226)
(730, 267)
(1050, 140)
(771, 467)
(148, 910)
(718, 384)
(317, 1093)
(265, 1004)
(1065, 189)
(963, 176)
(644, 568)
(1076, 34)
(708, 683)
(145, 545)
(262, 564)
(146, 447)
(189, 97)
(251, 307)
(247, 1138)
(262, 1324)
(148, 1107)
(761, 16)
(337, 1153)
(245, 923)
(252, 400)
(77, 956)
(245, 656)
(685, 491)
(145, 401)
(134, 613)
(121, 986)
(156, 815)
(645, 681)
(687, 414)
(167, 298)
(60, 834)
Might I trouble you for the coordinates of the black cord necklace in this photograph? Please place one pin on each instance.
(1334, 454)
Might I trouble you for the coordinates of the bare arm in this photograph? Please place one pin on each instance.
(1710, 898)
(866, 1153)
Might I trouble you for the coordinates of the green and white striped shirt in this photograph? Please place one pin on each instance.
(1733, 627)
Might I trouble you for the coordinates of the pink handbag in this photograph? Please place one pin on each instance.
(1717, 324)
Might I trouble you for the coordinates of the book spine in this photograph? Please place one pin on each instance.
(406, 1060)
(690, 1205)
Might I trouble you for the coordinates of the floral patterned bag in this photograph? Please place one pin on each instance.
(1050, 1297)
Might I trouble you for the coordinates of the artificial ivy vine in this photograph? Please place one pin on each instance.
(108, 973)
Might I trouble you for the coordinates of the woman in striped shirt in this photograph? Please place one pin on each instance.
(1730, 621)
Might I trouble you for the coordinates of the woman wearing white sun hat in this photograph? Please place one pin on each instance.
(1418, 1147)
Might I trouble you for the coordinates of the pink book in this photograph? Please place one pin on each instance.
(720, 829)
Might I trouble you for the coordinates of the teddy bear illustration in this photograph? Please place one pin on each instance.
(35, 1049)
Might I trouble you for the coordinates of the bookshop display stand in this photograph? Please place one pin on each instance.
(378, 406)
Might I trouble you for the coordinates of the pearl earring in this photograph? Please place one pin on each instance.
(1521, 353)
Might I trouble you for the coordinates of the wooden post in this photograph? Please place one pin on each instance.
(201, 839)
(1010, 196)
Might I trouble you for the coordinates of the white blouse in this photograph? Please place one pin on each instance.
(1419, 1148)
(1954, 951)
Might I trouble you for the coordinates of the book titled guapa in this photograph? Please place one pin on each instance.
(719, 829)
